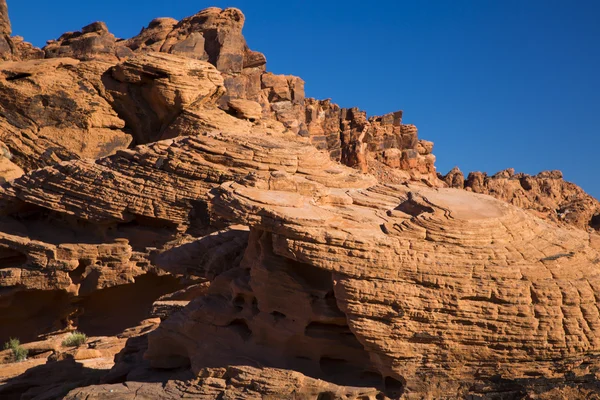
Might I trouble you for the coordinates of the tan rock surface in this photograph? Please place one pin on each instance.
(151, 90)
(164, 181)
(486, 288)
(545, 195)
(236, 382)
(50, 110)
(93, 42)
(344, 286)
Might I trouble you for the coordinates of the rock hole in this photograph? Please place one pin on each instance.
(326, 396)
(278, 316)
(595, 222)
(394, 388)
(77, 274)
(525, 183)
(333, 366)
(240, 326)
(414, 208)
(255, 309)
(12, 76)
(10, 258)
(238, 302)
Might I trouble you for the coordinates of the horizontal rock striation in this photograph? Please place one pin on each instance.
(288, 248)
(486, 288)
(546, 194)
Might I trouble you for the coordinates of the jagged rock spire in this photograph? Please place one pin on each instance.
(4, 21)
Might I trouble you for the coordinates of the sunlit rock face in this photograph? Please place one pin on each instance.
(217, 234)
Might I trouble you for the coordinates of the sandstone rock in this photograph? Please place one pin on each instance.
(355, 140)
(152, 37)
(493, 291)
(165, 181)
(5, 28)
(455, 178)
(51, 111)
(336, 284)
(246, 109)
(93, 42)
(14, 48)
(8, 169)
(424, 147)
(546, 195)
(235, 382)
(151, 90)
(214, 35)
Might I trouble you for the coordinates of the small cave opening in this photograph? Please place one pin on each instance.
(108, 312)
(394, 388)
(27, 314)
(240, 326)
(15, 76)
(278, 316)
(11, 258)
(326, 396)
(238, 302)
(595, 222)
(76, 275)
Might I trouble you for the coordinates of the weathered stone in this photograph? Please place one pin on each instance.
(5, 28)
(246, 109)
(51, 110)
(151, 90)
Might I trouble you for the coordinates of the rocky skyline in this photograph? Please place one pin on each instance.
(177, 221)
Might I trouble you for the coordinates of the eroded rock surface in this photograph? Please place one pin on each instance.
(14, 48)
(546, 195)
(486, 288)
(243, 222)
(51, 111)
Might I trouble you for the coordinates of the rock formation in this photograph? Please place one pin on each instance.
(546, 194)
(51, 111)
(218, 235)
(14, 48)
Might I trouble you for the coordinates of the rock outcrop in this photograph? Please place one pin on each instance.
(546, 194)
(14, 48)
(52, 111)
(355, 140)
(220, 235)
(215, 36)
(487, 290)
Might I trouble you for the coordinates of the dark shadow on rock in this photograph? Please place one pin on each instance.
(110, 311)
(206, 257)
(52, 380)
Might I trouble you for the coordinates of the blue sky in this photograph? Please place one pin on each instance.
(495, 84)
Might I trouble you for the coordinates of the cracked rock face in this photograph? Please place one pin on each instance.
(486, 288)
(284, 247)
(52, 111)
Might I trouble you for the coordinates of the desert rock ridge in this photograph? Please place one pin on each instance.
(218, 235)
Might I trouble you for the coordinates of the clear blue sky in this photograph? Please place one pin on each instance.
(495, 84)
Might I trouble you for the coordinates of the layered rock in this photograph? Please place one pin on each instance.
(365, 143)
(243, 382)
(546, 194)
(486, 289)
(131, 211)
(376, 144)
(151, 90)
(336, 285)
(93, 42)
(51, 111)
